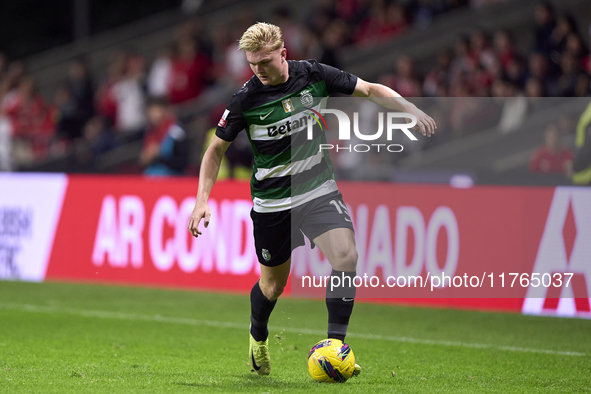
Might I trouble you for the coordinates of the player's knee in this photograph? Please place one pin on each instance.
(346, 258)
(272, 289)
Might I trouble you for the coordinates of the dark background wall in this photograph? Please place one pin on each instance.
(31, 26)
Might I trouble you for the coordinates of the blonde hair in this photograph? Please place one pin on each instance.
(261, 35)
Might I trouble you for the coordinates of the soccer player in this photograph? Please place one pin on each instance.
(295, 195)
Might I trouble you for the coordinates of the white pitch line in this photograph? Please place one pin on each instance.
(240, 326)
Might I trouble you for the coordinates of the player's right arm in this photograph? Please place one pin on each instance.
(210, 166)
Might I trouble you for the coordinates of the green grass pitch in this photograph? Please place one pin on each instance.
(57, 337)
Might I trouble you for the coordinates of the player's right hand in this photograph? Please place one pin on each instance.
(201, 211)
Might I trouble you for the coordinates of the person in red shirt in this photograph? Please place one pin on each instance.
(189, 72)
(30, 118)
(552, 157)
(383, 23)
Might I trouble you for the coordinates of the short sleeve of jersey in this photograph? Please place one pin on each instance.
(232, 121)
(338, 81)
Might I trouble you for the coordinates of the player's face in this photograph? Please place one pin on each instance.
(268, 66)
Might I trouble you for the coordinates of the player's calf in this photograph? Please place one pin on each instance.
(339, 302)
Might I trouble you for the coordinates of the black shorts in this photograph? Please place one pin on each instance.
(277, 234)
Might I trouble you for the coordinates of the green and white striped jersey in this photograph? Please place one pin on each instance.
(289, 169)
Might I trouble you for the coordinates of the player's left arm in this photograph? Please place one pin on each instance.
(391, 99)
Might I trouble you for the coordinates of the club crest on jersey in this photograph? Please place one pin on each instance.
(266, 254)
(287, 105)
(306, 99)
(223, 122)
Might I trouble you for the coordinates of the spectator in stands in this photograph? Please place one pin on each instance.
(475, 69)
(540, 69)
(76, 101)
(105, 98)
(129, 96)
(534, 91)
(64, 113)
(31, 124)
(236, 65)
(292, 32)
(159, 79)
(534, 88)
(552, 157)
(332, 39)
(513, 106)
(425, 11)
(165, 150)
(480, 50)
(468, 115)
(545, 23)
(237, 68)
(583, 86)
(566, 125)
(96, 139)
(14, 73)
(565, 26)
(570, 73)
(325, 11)
(480, 81)
(396, 19)
(439, 75)
(404, 82)
(504, 48)
(516, 72)
(190, 71)
(462, 63)
(384, 22)
(576, 47)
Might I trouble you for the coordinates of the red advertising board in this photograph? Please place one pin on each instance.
(133, 231)
(500, 248)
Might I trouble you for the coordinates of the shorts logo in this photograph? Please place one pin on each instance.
(266, 254)
(287, 105)
(306, 99)
(223, 122)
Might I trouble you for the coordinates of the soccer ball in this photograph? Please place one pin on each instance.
(331, 360)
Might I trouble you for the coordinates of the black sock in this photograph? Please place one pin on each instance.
(339, 302)
(260, 310)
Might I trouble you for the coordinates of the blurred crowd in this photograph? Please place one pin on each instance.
(483, 64)
(90, 114)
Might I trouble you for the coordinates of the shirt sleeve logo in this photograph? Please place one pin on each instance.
(223, 122)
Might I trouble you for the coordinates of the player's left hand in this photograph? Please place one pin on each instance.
(425, 124)
(200, 211)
